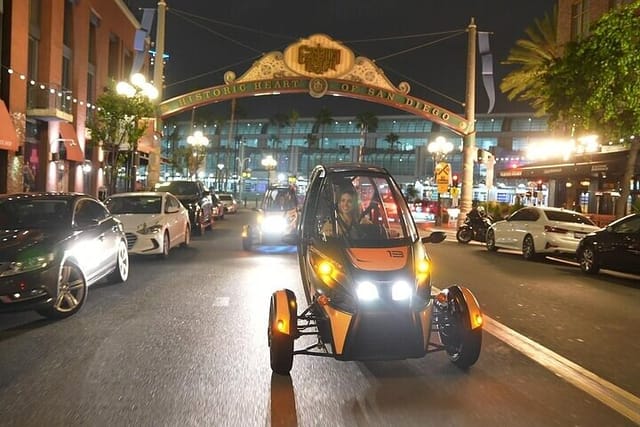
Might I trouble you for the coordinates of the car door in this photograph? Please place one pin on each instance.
(174, 219)
(513, 229)
(621, 250)
(97, 233)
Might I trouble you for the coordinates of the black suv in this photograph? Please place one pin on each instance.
(196, 198)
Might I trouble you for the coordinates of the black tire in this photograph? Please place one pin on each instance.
(464, 235)
(491, 241)
(187, 237)
(166, 246)
(280, 344)
(199, 226)
(529, 248)
(121, 272)
(462, 344)
(72, 293)
(588, 259)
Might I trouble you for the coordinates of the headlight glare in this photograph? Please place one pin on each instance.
(367, 291)
(274, 224)
(28, 264)
(401, 291)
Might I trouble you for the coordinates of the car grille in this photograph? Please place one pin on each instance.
(131, 240)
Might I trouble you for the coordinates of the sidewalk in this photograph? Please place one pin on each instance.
(427, 227)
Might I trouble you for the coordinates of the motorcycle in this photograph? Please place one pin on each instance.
(474, 228)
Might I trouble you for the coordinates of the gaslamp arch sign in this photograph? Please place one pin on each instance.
(319, 66)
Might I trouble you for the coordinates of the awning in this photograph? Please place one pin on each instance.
(8, 135)
(68, 135)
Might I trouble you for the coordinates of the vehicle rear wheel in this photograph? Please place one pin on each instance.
(464, 234)
(281, 341)
(121, 272)
(72, 293)
(529, 248)
(589, 260)
(491, 241)
(166, 246)
(187, 236)
(462, 343)
(199, 228)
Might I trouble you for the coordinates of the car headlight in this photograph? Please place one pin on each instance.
(28, 264)
(144, 229)
(367, 291)
(274, 224)
(401, 291)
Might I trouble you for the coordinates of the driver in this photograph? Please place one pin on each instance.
(348, 214)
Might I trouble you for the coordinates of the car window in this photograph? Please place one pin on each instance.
(34, 213)
(134, 204)
(568, 216)
(631, 225)
(88, 211)
(523, 215)
(172, 202)
(279, 199)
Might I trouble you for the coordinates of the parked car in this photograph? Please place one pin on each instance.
(53, 246)
(615, 247)
(229, 202)
(154, 222)
(218, 206)
(196, 198)
(276, 219)
(537, 231)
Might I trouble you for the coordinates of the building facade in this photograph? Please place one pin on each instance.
(56, 57)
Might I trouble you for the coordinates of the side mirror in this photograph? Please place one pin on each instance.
(434, 237)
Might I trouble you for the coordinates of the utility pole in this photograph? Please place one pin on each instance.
(158, 71)
(469, 143)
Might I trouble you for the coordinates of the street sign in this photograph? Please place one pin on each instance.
(443, 176)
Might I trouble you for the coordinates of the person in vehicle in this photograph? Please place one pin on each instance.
(347, 214)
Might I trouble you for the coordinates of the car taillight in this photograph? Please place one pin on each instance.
(550, 229)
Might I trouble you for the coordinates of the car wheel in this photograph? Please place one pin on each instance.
(589, 260)
(121, 272)
(528, 248)
(464, 235)
(281, 343)
(461, 343)
(491, 241)
(187, 236)
(166, 246)
(72, 293)
(199, 226)
(212, 221)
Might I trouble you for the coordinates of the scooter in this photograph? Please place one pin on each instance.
(474, 229)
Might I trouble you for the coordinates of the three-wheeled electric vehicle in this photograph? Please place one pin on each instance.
(367, 279)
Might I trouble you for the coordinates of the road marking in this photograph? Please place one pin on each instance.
(608, 393)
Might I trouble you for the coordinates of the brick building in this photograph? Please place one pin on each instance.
(56, 56)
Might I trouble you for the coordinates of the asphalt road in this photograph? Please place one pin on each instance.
(183, 343)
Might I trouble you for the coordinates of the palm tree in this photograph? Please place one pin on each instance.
(366, 122)
(392, 139)
(312, 142)
(323, 118)
(534, 56)
(280, 121)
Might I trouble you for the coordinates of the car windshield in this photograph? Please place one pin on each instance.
(34, 213)
(279, 199)
(568, 216)
(179, 188)
(134, 205)
(364, 210)
(226, 197)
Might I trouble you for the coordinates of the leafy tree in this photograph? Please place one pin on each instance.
(595, 86)
(323, 118)
(366, 122)
(392, 139)
(533, 56)
(115, 126)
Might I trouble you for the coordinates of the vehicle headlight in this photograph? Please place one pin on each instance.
(28, 264)
(401, 291)
(274, 224)
(145, 229)
(367, 291)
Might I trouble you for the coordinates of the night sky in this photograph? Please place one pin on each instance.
(205, 38)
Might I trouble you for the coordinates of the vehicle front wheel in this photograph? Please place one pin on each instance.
(529, 248)
(199, 226)
(187, 236)
(121, 272)
(491, 241)
(166, 246)
(72, 293)
(461, 343)
(589, 260)
(282, 323)
(464, 234)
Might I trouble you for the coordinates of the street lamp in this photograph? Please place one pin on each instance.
(269, 164)
(220, 168)
(198, 142)
(241, 172)
(439, 148)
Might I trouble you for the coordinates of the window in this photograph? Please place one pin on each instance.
(114, 57)
(88, 211)
(579, 19)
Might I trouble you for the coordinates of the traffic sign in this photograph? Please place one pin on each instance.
(443, 176)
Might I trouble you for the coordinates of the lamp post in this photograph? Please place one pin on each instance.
(241, 170)
(269, 164)
(439, 148)
(198, 142)
(220, 168)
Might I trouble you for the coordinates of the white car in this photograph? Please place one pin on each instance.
(536, 231)
(154, 222)
(230, 203)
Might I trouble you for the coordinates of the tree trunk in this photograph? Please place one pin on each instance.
(621, 203)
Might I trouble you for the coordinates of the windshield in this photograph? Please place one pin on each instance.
(34, 213)
(279, 199)
(364, 210)
(134, 205)
(179, 188)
